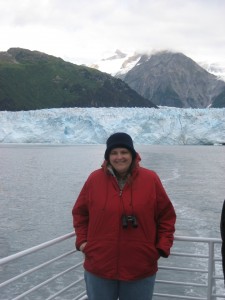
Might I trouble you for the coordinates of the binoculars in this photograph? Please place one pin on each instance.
(129, 219)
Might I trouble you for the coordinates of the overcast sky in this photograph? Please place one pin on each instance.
(83, 31)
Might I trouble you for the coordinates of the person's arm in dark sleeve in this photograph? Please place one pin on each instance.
(222, 231)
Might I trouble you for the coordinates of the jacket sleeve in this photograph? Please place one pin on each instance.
(222, 231)
(165, 219)
(80, 215)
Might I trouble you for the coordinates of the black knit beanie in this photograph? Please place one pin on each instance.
(119, 139)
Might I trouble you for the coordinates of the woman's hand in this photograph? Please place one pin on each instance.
(82, 246)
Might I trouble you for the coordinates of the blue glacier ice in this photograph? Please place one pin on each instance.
(165, 126)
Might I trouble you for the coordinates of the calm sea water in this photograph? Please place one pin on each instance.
(39, 185)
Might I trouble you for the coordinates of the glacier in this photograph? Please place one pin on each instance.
(165, 126)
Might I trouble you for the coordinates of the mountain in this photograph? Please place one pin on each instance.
(118, 63)
(167, 79)
(31, 80)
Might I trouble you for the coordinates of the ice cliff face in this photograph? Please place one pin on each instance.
(93, 125)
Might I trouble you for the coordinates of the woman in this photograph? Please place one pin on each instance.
(124, 221)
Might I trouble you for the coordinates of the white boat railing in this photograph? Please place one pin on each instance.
(53, 270)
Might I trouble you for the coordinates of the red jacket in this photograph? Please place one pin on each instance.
(121, 253)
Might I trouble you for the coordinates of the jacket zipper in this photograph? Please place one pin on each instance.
(119, 237)
(120, 227)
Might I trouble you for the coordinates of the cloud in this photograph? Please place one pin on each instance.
(83, 31)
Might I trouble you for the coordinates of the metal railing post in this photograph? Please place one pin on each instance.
(210, 270)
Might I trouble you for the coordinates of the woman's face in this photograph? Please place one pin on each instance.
(120, 159)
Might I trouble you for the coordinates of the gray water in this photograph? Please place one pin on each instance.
(39, 185)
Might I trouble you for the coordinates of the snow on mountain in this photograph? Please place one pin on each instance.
(121, 63)
(93, 125)
(117, 63)
(215, 69)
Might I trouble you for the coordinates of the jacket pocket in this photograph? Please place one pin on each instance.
(100, 257)
(138, 258)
